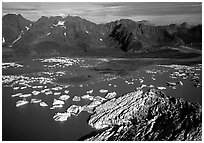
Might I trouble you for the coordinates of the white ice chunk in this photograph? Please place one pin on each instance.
(76, 98)
(21, 102)
(35, 92)
(87, 31)
(66, 91)
(48, 93)
(48, 33)
(25, 95)
(43, 104)
(103, 90)
(17, 94)
(64, 97)
(24, 87)
(90, 91)
(87, 96)
(57, 93)
(65, 33)
(35, 100)
(16, 88)
(101, 39)
(56, 106)
(57, 102)
(161, 88)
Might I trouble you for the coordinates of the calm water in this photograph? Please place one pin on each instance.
(74, 77)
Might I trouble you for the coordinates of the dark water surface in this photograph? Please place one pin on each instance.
(77, 76)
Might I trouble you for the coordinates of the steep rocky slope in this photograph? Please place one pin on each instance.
(13, 27)
(56, 35)
(146, 115)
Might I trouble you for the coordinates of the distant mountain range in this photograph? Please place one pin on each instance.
(53, 35)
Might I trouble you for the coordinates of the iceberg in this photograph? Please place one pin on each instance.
(76, 98)
(17, 94)
(87, 96)
(25, 95)
(64, 97)
(57, 102)
(56, 106)
(21, 102)
(43, 104)
(90, 91)
(35, 100)
(103, 90)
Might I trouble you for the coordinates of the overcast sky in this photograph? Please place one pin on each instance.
(156, 13)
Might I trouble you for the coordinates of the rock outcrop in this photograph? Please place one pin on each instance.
(146, 115)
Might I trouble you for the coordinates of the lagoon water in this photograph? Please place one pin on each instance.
(47, 79)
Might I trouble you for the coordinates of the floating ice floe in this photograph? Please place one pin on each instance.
(101, 39)
(65, 33)
(57, 102)
(35, 92)
(103, 90)
(161, 88)
(57, 88)
(16, 88)
(43, 104)
(181, 83)
(87, 96)
(48, 33)
(114, 85)
(171, 84)
(21, 102)
(90, 91)
(57, 93)
(111, 95)
(109, 84)
(56, 106)
(48, 92)
(24, 87)
(17, 94)
(25, 95)
(61, 116)
(35, 100)
(76, 98)
(64, 97)
(66, 91)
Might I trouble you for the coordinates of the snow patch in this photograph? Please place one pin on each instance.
(19, 37)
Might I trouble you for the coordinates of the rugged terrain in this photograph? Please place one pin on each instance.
(149, 115)
(57, 35)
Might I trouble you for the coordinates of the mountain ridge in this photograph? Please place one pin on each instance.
(75, 33)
